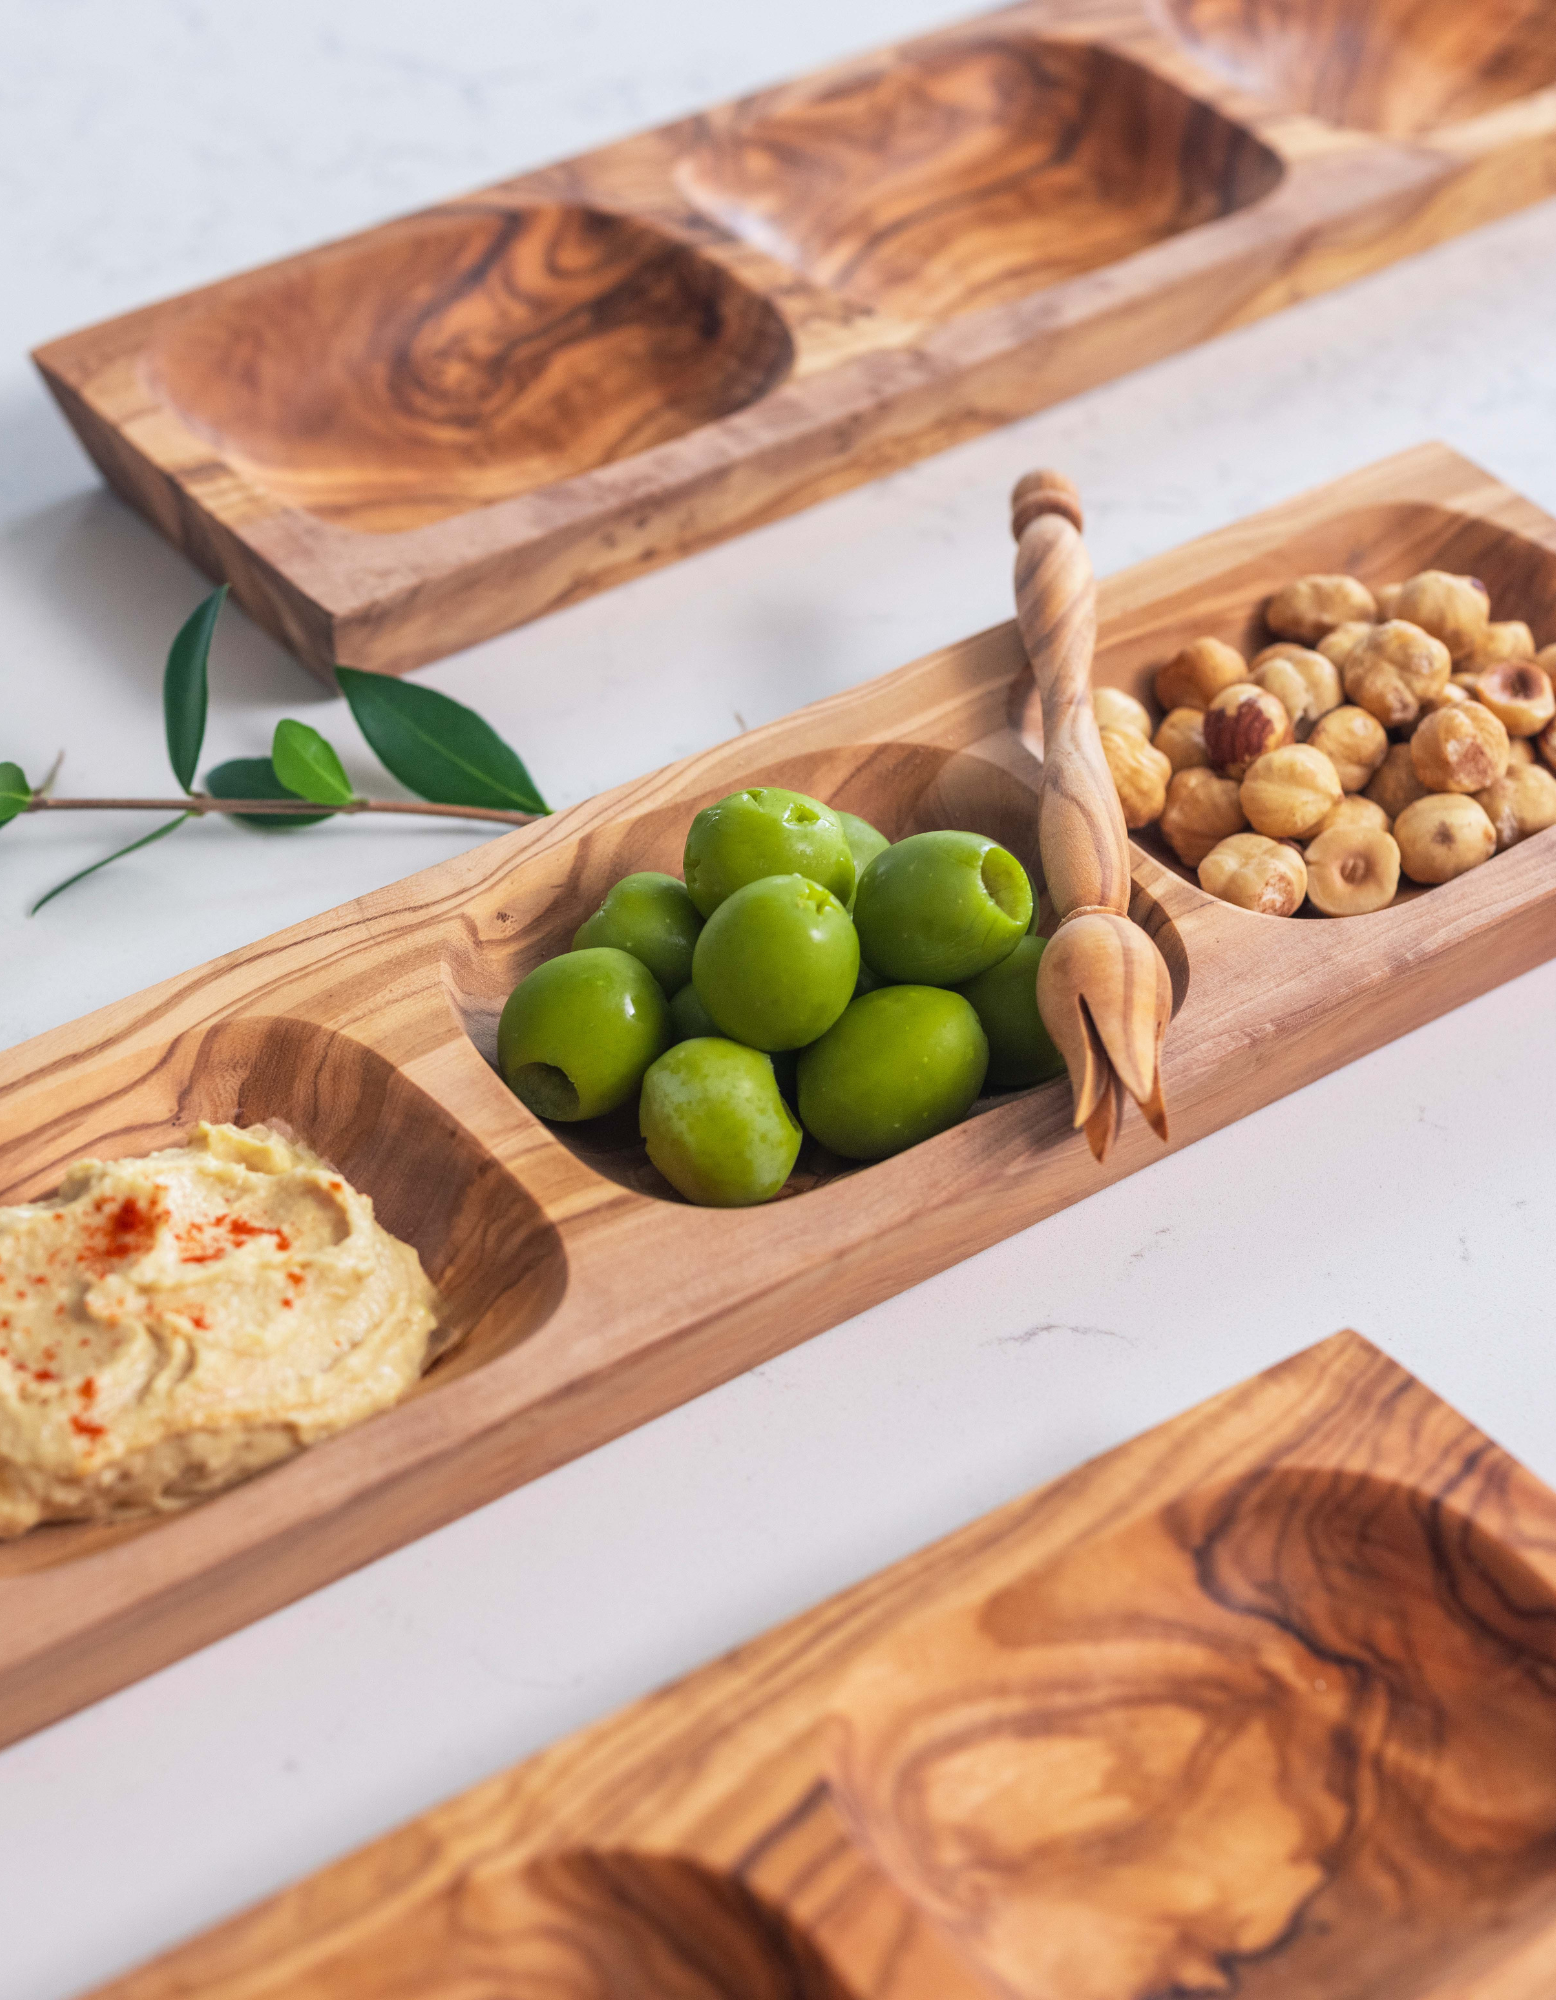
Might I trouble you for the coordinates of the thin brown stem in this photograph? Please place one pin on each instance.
(200, 802)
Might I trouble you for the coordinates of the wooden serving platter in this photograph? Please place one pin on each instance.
(1263, 1702)
(586, 1298)
(398, 444)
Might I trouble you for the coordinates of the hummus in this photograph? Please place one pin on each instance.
(172, 1324)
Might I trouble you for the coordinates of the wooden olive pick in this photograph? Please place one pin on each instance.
(1103, 988)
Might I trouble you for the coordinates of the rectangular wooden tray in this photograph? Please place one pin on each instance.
(1262, 1702)
(588, 1299)
(395, 445)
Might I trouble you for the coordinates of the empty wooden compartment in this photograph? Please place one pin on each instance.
(1262, 1702)
(585, 1297)
(398, 444)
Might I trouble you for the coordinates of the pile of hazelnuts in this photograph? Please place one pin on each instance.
(1402, 732)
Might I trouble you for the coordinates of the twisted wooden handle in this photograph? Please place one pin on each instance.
(1084, 841)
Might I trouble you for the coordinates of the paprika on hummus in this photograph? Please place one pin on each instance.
(170, 1325)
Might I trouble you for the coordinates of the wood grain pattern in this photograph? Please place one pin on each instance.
(1262, 1702)
(397, 445)
(589, 1299)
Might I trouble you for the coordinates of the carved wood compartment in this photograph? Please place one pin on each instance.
(1260, 1703)
(398, 444)
(583, 1297)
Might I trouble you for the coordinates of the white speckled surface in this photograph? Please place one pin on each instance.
(146, 148)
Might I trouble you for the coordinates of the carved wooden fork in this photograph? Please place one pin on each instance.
(1103, 988)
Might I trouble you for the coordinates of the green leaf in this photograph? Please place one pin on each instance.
(15, 792)
(439, 748)
(185, 690)
(255, 778)
(307, 765)
(81, 874)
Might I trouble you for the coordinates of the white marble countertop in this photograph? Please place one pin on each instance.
(150, 147)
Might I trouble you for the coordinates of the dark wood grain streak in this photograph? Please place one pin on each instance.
(1262, 1703)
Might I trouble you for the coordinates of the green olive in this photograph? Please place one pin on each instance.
(776, 962)
(902, 1064)
(939, 908)
(580, 1030)
(689, 1017)
(1021, 1051)
(864, 843)
(765, 831)
(716, 1125)
(654, 918)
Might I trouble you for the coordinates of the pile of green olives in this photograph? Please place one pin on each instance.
(805, 974)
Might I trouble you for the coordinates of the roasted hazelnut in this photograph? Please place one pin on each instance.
(1452, 696)
(1338, 645)
(1545, 743)
(1194, 677)
(1202, 809)
(1393, 669)
(1509, 640)
(1352, 870)
(1461, 749)
(1387, 595)
(1546, 658)
(1519, 804)
(1116, 710)
(1314, 605)
(1255, 873)
(1519, 694)
(1303, 682)
(1454, 609)
(1241, 724)
(1467, 684)
(1355, 742)
(1140, 774)
(1287, 792)
(1354, 810)
(1181, 739)
(1395, 784)
(1520, 750)
(1442, 836)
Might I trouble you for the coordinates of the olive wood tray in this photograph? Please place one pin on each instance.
(1262, 1702)
(397, 444)
(586, 1298)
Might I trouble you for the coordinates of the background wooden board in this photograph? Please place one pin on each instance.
(399, 444)
(587, 1301)
(1263, 1701)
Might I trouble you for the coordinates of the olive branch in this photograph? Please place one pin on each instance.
(456, 763)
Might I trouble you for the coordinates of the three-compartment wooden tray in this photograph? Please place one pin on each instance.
(587, 1298)
(398, 444)
(1261, 1703)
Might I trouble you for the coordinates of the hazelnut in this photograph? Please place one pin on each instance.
(1140, 775)
(1255, 873)
(1468, 684)
(1355, 742)
(1443, 835)
(1395, 784)
(1287, 792)
(1354, 810)
(1314, 605)
(1461, 749)
(1201, 810)
(1181, 739)
(1545, 743)
(1116, 710)
(1387, 595)
(1520, 750)
(1241, 724)
(1509, 640)
(1454, 609)
(1352, 870)
(1519, 694)
(1339, 644)
(1452, 696)
(1522, 803)
(1546, 658)
(1194, 677)
(1303, 682)
(1393, 669)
